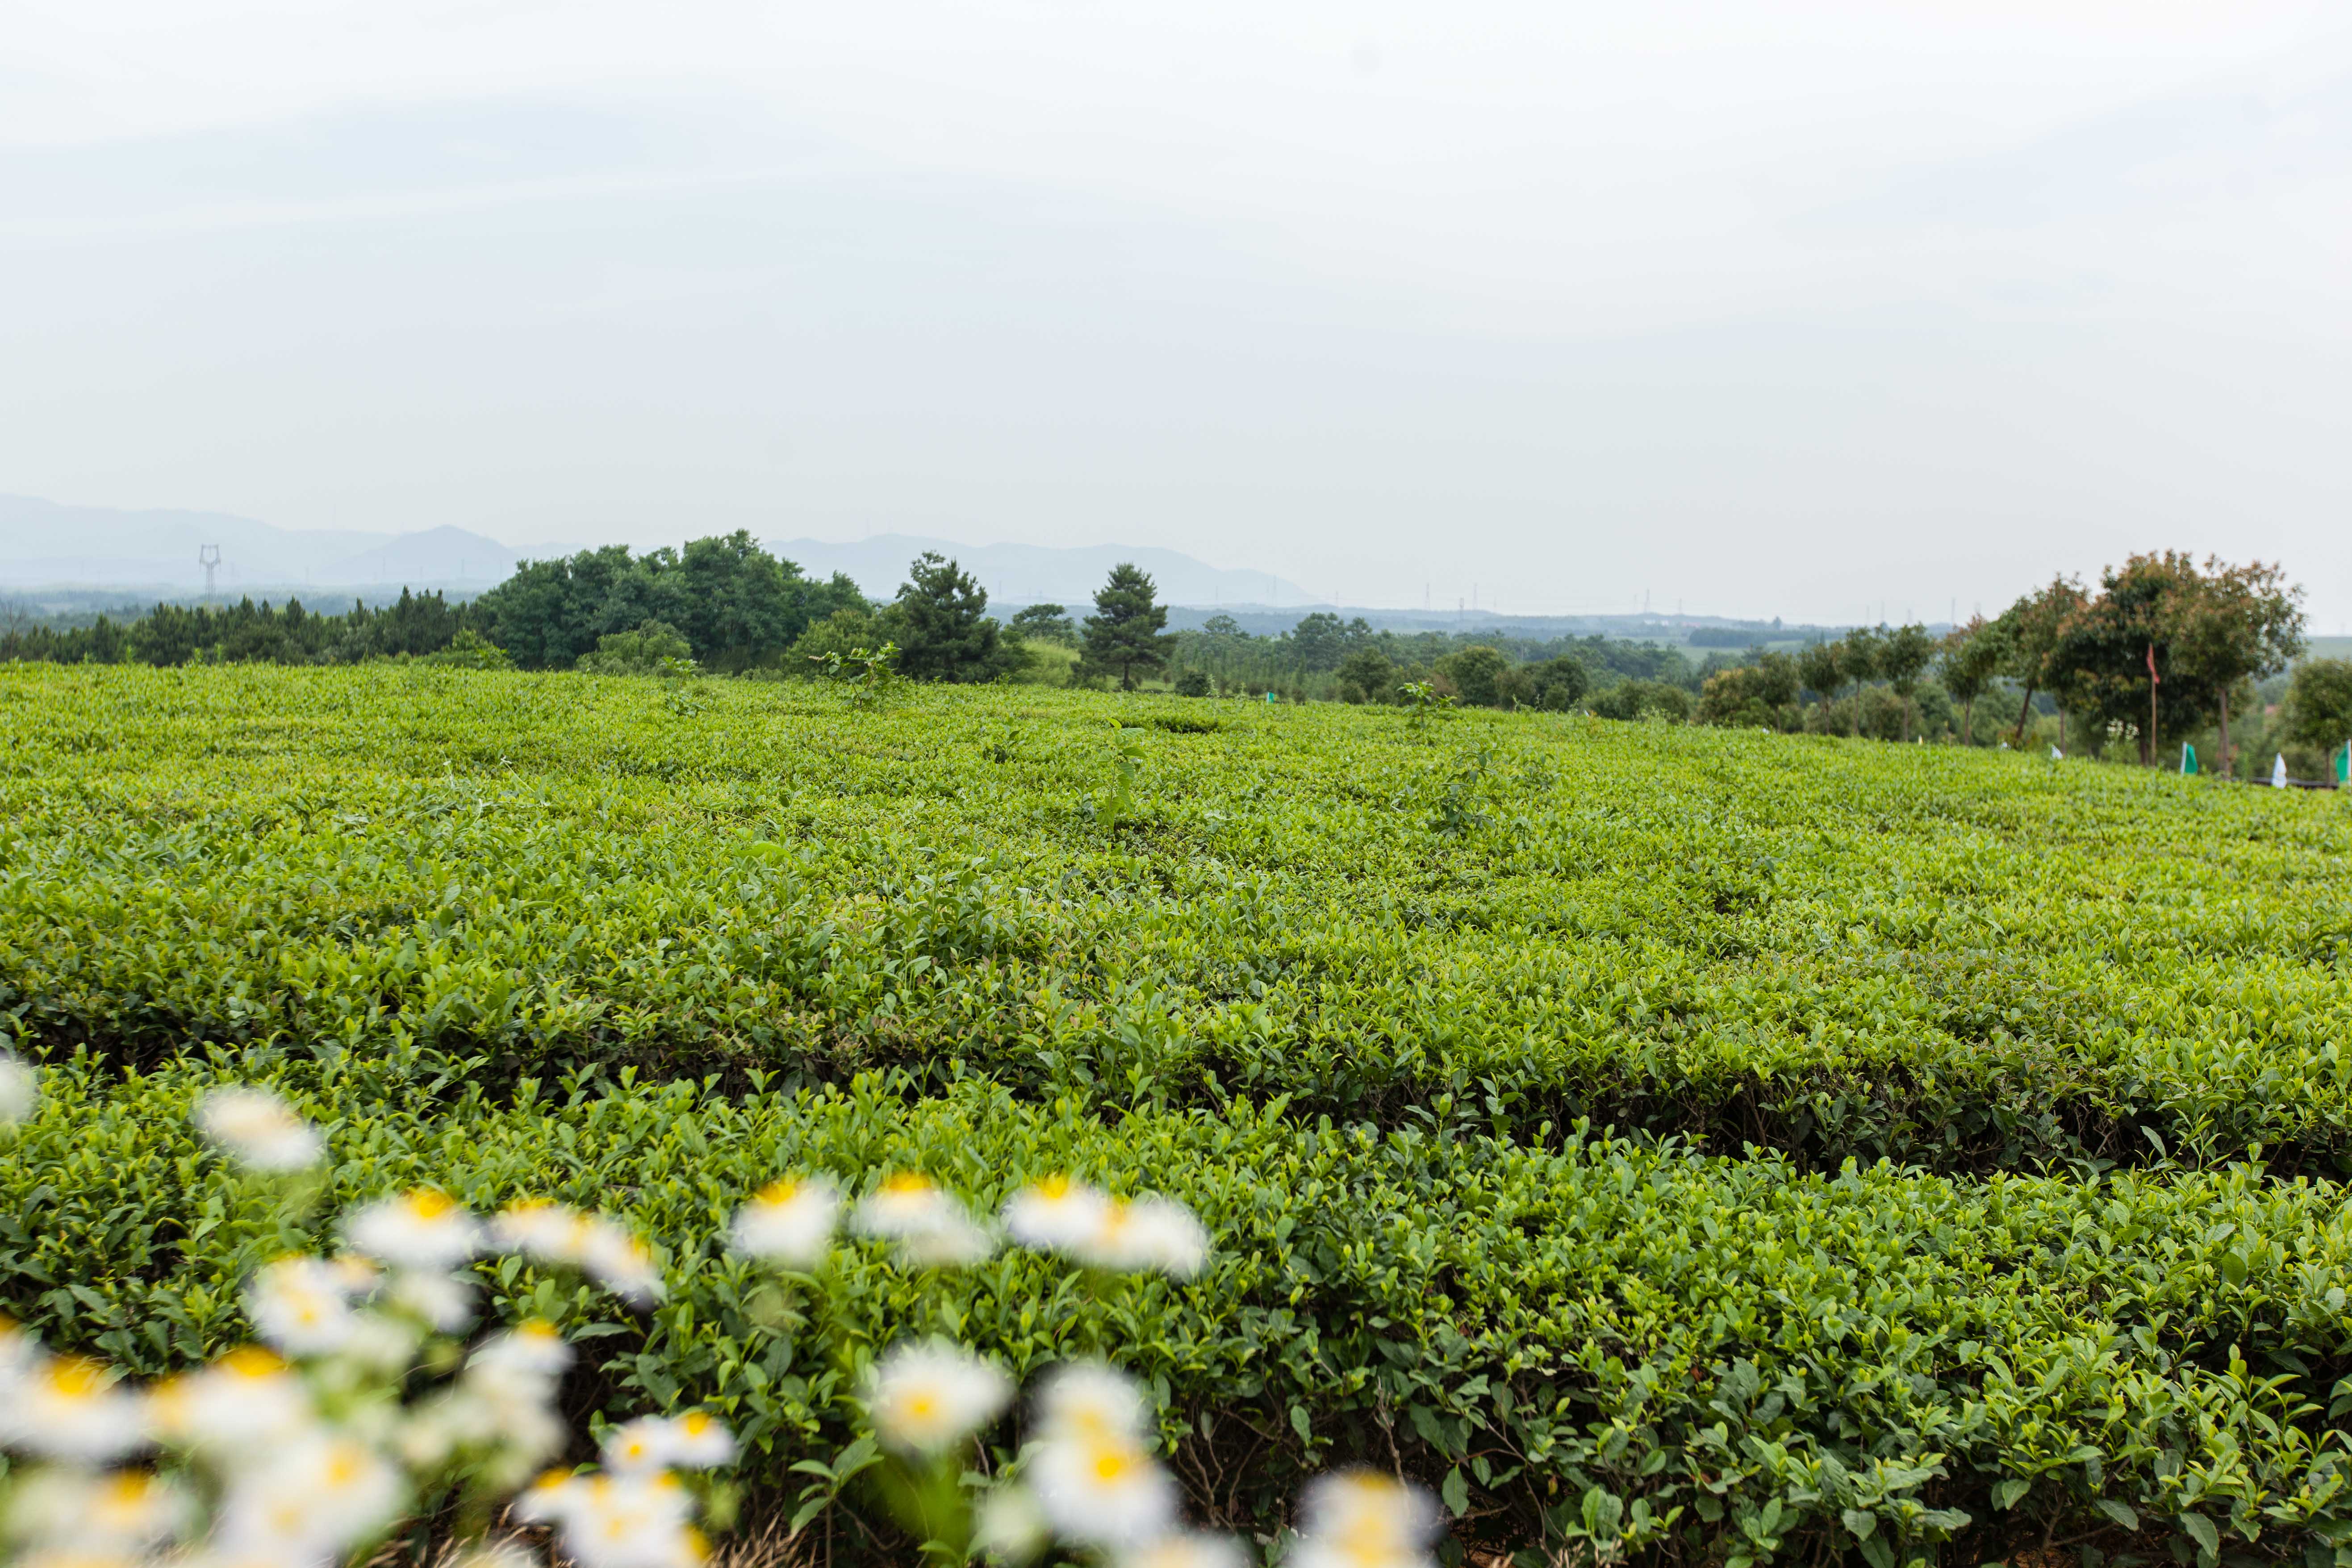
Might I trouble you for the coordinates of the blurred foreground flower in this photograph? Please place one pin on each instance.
(932, 1228)
(559, 1233)
(1095, 1478)
(788, 1222)
(66, 1407)
(1066, 1215)
(20, 1090)
(258, 1129)
(421, 1229)
(925, 1397)
(1362, 1519)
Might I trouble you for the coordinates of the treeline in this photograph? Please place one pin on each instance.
(2162, 652)
(1326, 659)
(415, 626)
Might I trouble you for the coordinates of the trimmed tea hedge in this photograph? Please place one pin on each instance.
(1965, 961)
(1708, 1358)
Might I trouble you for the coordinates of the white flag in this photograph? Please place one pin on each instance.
(2278, 771)
(2056, 755)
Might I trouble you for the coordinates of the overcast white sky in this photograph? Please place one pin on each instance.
(1756, 306)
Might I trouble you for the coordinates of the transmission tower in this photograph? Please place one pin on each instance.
(208, 557)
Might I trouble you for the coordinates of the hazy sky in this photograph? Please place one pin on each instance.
(1756, 306)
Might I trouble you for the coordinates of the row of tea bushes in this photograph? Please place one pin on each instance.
(1967, 961)
(1712, 1360)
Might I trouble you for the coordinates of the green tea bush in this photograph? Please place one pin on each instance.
(1971, 961)
(1635, 1347)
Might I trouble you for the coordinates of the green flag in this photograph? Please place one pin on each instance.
(2188, 758)
(2344, 764)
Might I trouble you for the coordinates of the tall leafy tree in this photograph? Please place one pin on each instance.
(1970, 657)
(1859, 656)
(943, 628)
(2033, 633)
(1903, 655)
(2243, 623)
(1821, 669)
(2319, 703)
(1126, 633)
(1046, 622)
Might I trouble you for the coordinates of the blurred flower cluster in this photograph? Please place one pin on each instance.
(365, 1404)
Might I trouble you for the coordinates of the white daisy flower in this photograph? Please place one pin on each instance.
(311, 1499)
(1088, 1399)
(123, 1512)
(495, 1554)
(554, 1232)
(539, 1229)
(621, 1264)
(1362, 1519)
(1187, 1549)
(69, 1408)
(637, 1447)
(258, 1129)
(701, 1441)
(618, 1521)
(1057, 1214)
(924, 1398)
(789, 1222)
(20, 1090)
(533, 1346)
(1102, 1489)
(302, 1306)
(246, 1396)
(421, 1229)
(932, 1230)
(443, 1303)
(1009, 1525)
(1156, 1234)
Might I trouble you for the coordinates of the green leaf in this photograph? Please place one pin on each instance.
(2006, 1493)
(1456, 1491)
(1863, 1525)
(2122, 1513)
(2200, 1529)
(1298, 1423)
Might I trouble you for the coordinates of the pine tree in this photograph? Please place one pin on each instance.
(944, 632)
(1125, 633)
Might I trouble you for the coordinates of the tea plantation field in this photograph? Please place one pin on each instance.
(1701, 1146)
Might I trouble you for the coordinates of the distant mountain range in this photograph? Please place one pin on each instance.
(43, 543)
(1035, 573)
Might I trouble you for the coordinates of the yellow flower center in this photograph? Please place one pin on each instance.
(781, 1191)
(905, 1181)
(77, 1377)
(429, 1205)
(251, 1360)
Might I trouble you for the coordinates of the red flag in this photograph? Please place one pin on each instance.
(2153, 678)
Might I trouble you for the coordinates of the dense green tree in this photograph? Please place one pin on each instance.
(1966, 663)
(1127, 632)
(1556, 685)
(2033, 633)
(2318, 708)
(1476, 673)
(1821, 670)
(1322, 641)
(1045, 623)
(1859, 653)
(1903, 655)
(1366, 675)
(943, 630)
(648, 649)
(2243, 623)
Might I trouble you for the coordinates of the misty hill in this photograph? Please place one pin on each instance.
(45, 542)
(1031, 573)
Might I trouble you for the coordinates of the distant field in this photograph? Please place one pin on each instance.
(1934, 1076)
